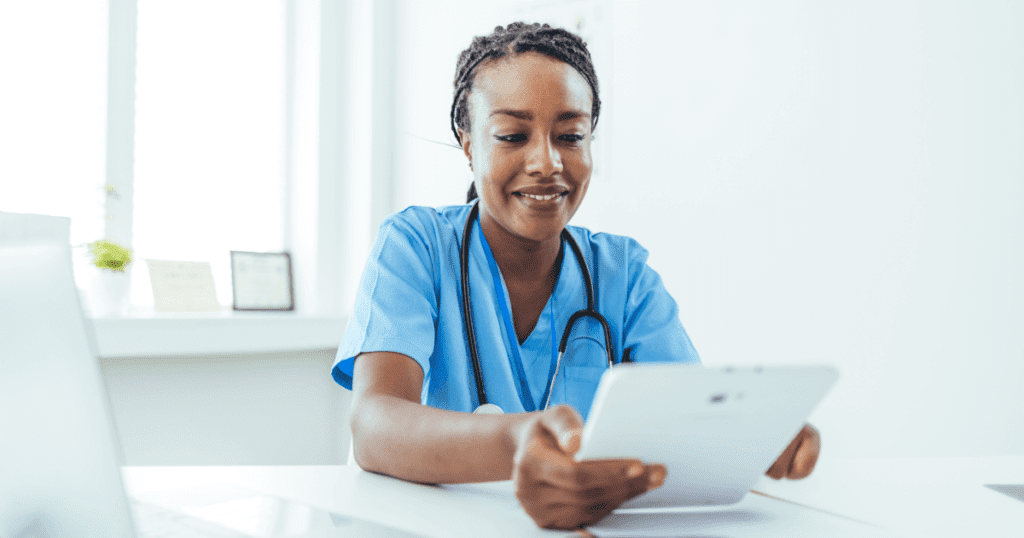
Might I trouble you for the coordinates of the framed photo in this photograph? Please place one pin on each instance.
(262, 281)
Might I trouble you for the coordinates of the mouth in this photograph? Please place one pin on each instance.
(545, 195)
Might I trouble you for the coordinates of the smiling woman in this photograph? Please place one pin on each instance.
(530, 152)
(419, 362)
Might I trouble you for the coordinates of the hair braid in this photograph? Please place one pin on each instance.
(516, 38)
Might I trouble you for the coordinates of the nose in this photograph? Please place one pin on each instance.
(543, 158)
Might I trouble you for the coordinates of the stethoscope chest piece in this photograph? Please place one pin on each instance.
(488, 409)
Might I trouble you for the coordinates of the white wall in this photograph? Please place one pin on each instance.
(836, 182)
(260, 409)
(429, 168)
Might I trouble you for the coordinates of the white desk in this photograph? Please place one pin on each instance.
(490, 510)
(915, 496)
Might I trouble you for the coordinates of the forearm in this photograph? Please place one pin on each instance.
(415, 442)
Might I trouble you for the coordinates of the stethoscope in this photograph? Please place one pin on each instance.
(467, 317)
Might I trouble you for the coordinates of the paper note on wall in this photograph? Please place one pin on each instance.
(182, 286)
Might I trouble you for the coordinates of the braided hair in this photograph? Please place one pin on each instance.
(513, 39)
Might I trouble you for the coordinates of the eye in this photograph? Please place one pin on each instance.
(512, 138)
(572, 138)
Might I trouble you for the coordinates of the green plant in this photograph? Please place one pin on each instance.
(110, 255)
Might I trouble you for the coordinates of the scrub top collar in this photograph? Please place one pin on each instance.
(512, 345)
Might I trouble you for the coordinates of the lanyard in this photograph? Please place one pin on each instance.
(511, 341)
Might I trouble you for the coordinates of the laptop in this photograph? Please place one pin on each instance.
(59, 452)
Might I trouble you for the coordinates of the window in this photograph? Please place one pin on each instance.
(210, 142)
(188, 129)
(53, 111)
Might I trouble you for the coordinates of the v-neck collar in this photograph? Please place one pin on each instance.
(511, 342)
(549, 305)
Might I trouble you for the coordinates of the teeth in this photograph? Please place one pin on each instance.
(540, 197)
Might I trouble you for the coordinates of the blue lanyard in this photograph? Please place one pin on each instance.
(512, 342)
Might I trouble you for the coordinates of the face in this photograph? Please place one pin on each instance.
(529, 144)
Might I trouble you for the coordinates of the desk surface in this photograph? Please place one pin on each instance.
(915, 496)
(891, 497)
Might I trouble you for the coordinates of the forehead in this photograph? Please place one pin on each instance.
(529, 81)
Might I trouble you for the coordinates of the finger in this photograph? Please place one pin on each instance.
(554, 507)
(613, 492)
(656, 475)
(566, 425)
(653, 477)
(578, 476)
(555, 516)
(544, 462)
(589, 506)
(806, 455)
(581, 499)
(616, 494)
(782, 464)
(778, 469)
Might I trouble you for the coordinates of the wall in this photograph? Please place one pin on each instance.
(834, 183)
(257, 409)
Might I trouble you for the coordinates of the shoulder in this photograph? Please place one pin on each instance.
(417, 217)
(426, 225)
(611, 249)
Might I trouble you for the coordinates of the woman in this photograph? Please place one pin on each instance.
(525, 106)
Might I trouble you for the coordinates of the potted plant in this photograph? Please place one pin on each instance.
(112, 286)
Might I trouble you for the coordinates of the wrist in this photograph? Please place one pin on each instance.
(513, 433)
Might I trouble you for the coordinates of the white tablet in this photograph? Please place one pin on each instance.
(717, 430)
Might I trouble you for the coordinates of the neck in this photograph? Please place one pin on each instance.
(521, 259)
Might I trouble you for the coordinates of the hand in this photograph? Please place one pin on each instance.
(798, 460)
(560, 493)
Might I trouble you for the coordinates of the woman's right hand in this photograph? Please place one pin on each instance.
(560, 493)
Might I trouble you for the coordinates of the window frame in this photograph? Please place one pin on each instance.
(330, 204)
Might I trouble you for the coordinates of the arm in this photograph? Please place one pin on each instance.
(394, 434)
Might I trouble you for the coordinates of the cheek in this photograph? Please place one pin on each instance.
(496, 170)
(579, 156)
(581, 164)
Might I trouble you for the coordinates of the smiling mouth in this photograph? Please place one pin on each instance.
(542, 197)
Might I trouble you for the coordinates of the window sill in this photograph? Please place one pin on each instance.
(214, 333)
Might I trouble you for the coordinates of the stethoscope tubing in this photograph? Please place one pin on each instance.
(467, 312)
(467, 306)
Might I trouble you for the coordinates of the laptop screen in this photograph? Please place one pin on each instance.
(59, 468)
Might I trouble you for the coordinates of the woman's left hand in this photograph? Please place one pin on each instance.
(798, 460)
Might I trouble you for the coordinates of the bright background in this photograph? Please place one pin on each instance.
(817, 182)
(837, 183)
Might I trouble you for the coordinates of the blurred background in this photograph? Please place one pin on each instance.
(817, 182)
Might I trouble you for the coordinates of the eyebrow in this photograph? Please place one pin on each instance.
(527, 115)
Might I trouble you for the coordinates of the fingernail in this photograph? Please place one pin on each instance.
(655, 480)
(634, 471)
(566, 439)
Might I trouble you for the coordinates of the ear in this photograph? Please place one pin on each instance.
(467, 148)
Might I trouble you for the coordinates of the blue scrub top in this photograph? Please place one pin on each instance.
(410, 302)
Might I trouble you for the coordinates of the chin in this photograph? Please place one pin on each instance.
(540, 233)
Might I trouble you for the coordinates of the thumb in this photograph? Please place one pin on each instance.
(565, 425)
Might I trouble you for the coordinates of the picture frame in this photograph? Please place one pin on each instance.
(262, 281)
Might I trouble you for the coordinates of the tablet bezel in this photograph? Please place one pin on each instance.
(739, 421)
